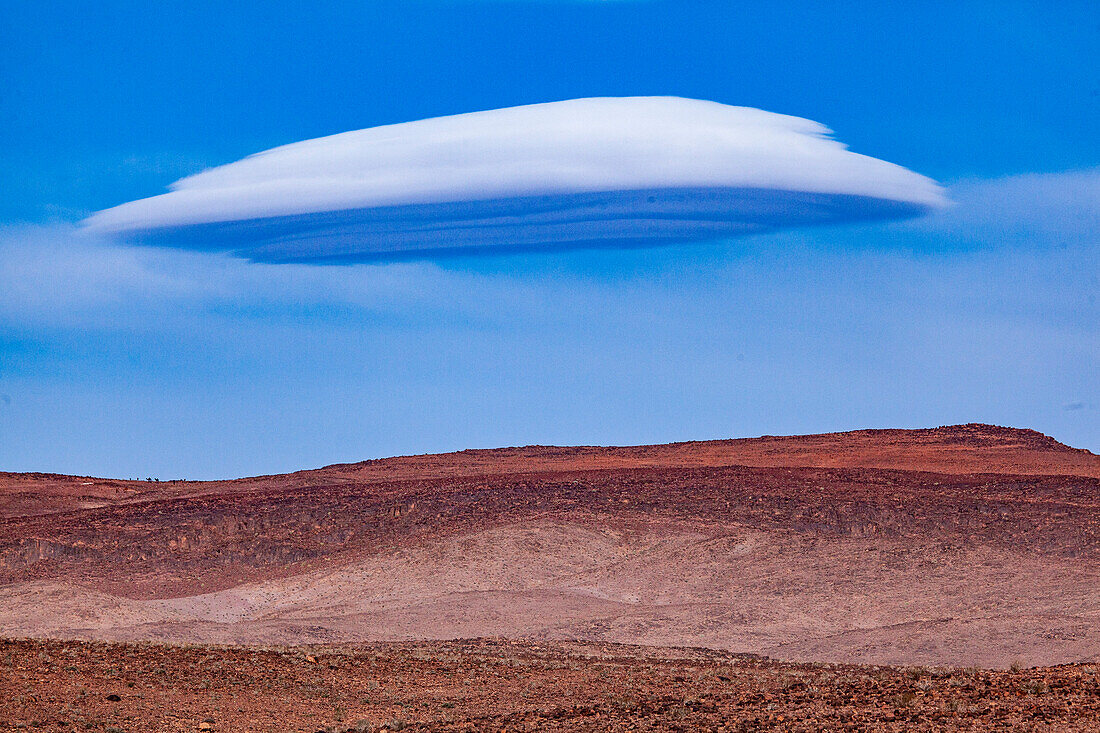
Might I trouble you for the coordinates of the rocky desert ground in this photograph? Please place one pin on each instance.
(499, 685)
(906, 579)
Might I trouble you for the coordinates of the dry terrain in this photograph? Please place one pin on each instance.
(487, 685)
(954, 449)
(949, 548)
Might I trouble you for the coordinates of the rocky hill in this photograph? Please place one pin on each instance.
(964, 545)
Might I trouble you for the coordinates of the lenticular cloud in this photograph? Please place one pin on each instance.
(586, 172)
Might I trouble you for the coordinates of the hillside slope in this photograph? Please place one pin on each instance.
(963, 545)
(971, 448)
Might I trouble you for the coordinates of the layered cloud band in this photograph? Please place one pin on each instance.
(588, 172)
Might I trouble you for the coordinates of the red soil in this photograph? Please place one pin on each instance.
(963, 545)
(508, 686)
(955, 449)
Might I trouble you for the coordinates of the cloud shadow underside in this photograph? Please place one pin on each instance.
(608, 219)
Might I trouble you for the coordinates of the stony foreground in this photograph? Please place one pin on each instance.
(514, 686)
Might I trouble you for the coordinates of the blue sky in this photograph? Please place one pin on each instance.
(139, 362)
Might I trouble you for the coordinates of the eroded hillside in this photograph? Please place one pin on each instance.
(827, 562)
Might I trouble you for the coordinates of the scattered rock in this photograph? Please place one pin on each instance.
(498, 685)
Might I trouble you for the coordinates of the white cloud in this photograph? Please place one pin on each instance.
(612, 171)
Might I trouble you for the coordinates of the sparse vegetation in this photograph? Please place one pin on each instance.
(1036, 687)
(904, 699)
(558, 686)
(866, 536)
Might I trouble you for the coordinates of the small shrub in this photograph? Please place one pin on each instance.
(1036, 687)
(903, 700)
